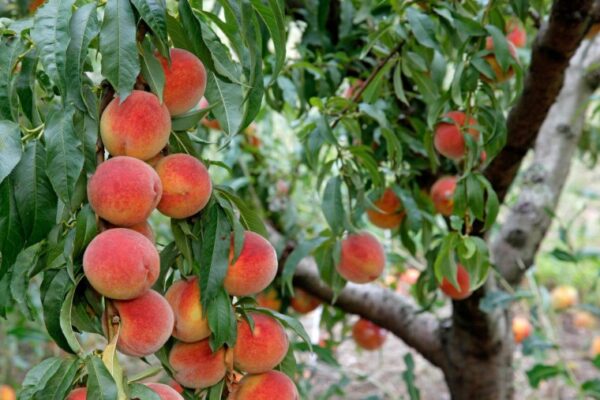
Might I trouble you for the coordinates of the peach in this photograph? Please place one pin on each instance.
(185, 81)
(195, 365)
(190, 323)
(262, 348)
(442, 195)
(268, 386)
(500, 75)
(521, 328)
(303, 302)
(516, 33)
(138, 127)
(144, 228)
(362, 258)
(349, 92)
(8, 393)
(449, 140)
(595, 347)
(410, 276)
(76, 394)
(165, 392)
(368, 335)
(176, 386)
(124, 191)
(146, 324)
(464, 283)
(209, 123)
(391, 214)
(584, 320)
(186, 185)
(269, 298)
(121, 264)
(34, 5)
(254, 269)
(564, 296)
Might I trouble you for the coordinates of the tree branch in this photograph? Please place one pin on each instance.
(514, 248)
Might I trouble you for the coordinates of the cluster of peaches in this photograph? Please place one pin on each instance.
(122, 263)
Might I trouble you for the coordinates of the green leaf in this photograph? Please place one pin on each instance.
(500, 46)
(287, 321)
(154, 13)
(248, 216)
(65, 322)
(222, 322)
(188, 120)
(11, 234)
(273, 17)
(422, 27)
(120, 62)
(541, 372)
(10, 147)
(25, 262)
(288, 365)
(9, 53)
(501, 300)
(152, 70)
(167, 257)
(142, 392)
(445, 263)
(182, 240)
(100, 384)
(35, 199)
(50, 33)
(83, 29)
(192, 39)
(332, 205)
(215, 392)
(592, 388)
(58, 287)
(64, 155)
(37, 378)
(61, 382)
(25, 85)
(302, 250)
(227, 100)
(409, 378)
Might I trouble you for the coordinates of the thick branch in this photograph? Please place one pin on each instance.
(515, 247)
(552, 50)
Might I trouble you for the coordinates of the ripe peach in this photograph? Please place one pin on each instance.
(146, 324)
(391, 214)
(261, 349)
(501, 75)
(121, 264)
(269, 299)
(175, 385)
(368, 335)
(124, 191)
(349, 92)
(8, 393)
(584, 320)
(595, 347)
(303, 302)
(362, 258)
(144, 228)
(186, 185)
(410, 276)
(464, 283)
(516, 33)
(564, 296)
(209, 123)
(138, 127)
(195, 365)
(521, 328)
(449, 140)
(268, 386)
(254, 269)
(76, 394)
(190, 323)
(185, 81)
(165, 392)
(442, 195)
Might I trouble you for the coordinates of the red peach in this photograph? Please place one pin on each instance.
(516, 33)
(138, 127)
(368, 335)
(303, 302)
(269, 298)
(8, 393)
(391, 214)
(500, 75)
(186, 185)
(262, 348)
(449, 140)
(165, 392)
(175, 385)
(124, 191)
(76, 394)
(442, 195)
(254, 269)
(272, 385)
(121, 264)
(195, 365)
(190, 323)
(464, 283)
(146, 324)
(362, 258)
(521, 329)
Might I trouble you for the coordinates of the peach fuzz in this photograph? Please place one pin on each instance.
(391, 214)
(185, 81)
(165, 392)
(464, 283)
(190, 323)
(195, 365)
(269, 298)
(8, 393)
(186, 185)
(442, 195)
(124, 191)
(254, 269)
(138, 127)
(262, 348)
(303, 302)
(76, 394)
(500, 74)
(368, 335)
(449, 140)
(521, 328)
(144, 228)
(146, 324)
(121, 263)
(564, 296)
(268, 386)
(362, 258)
